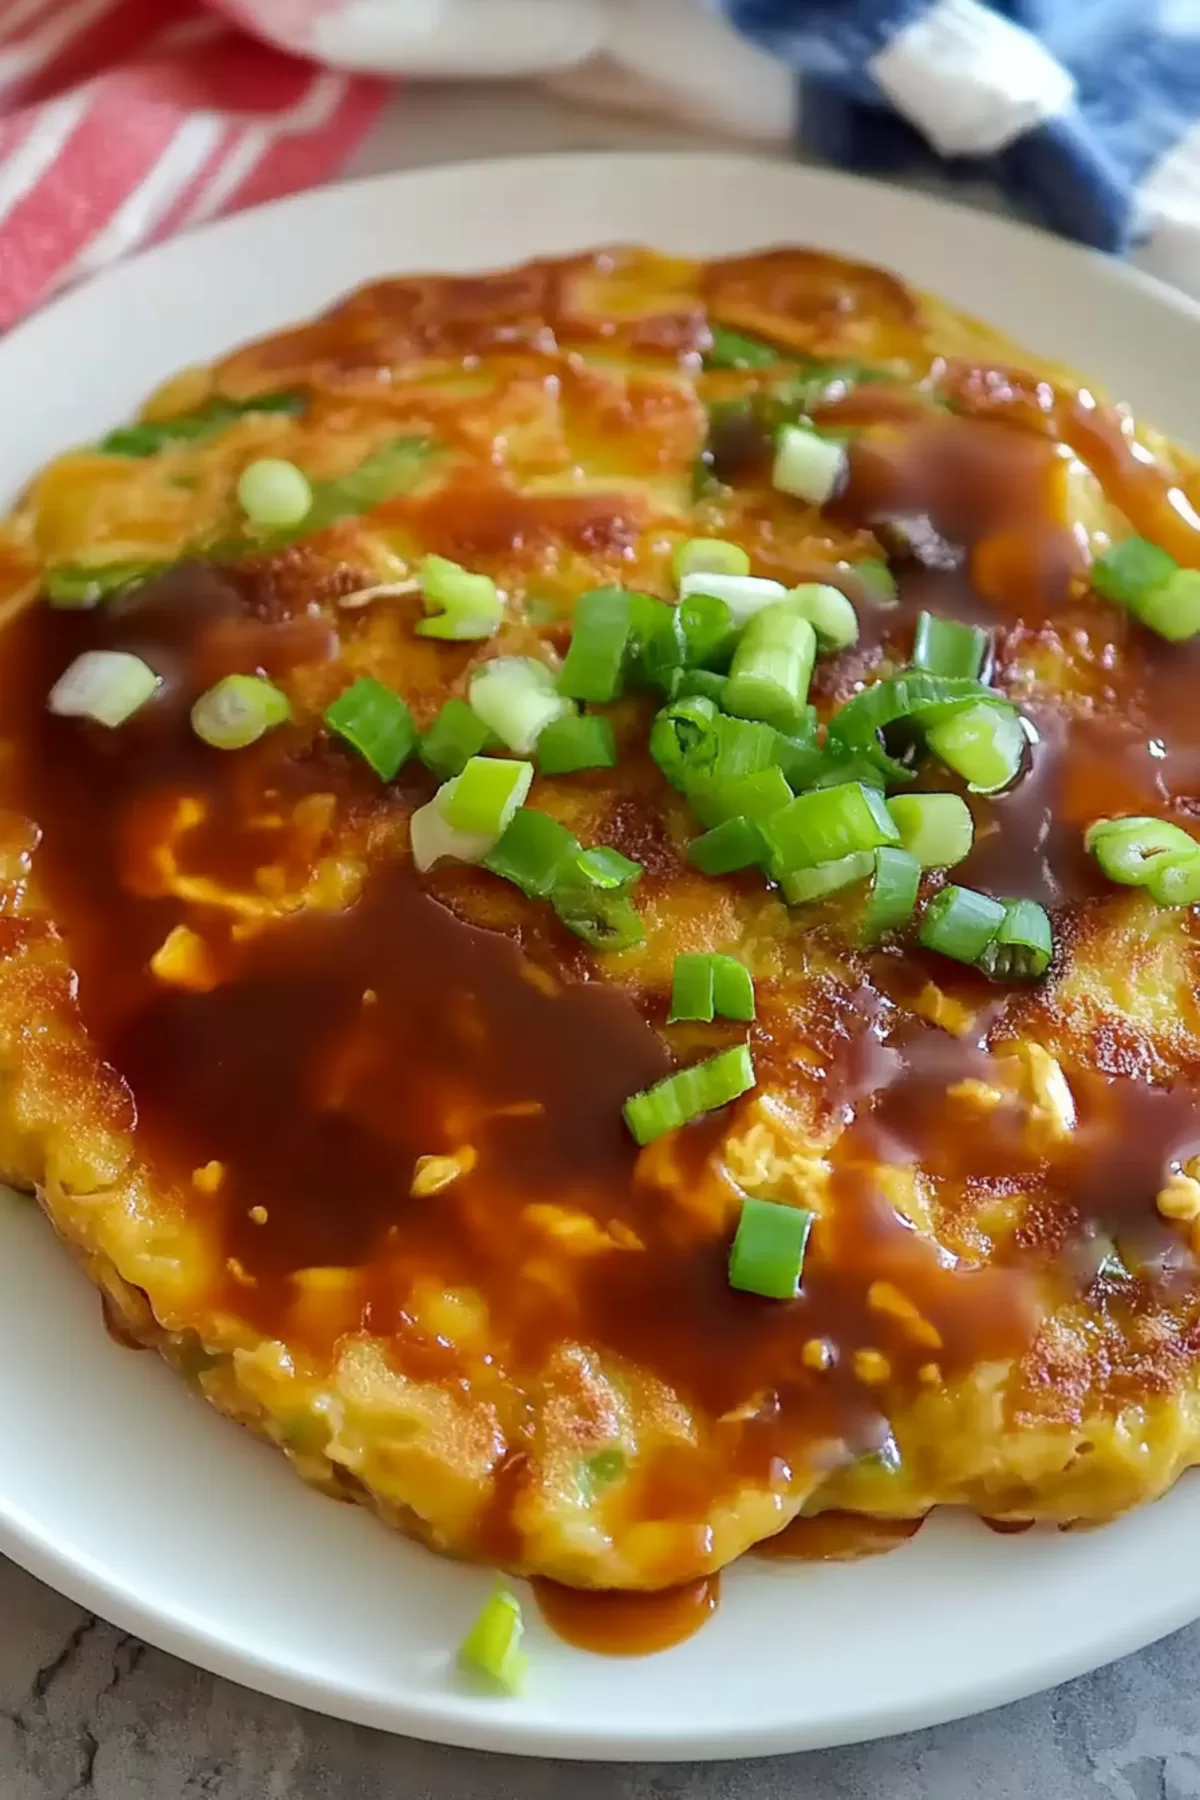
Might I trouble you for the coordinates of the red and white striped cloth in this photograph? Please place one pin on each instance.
(122, 121)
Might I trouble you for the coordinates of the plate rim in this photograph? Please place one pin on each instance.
(81, 1578)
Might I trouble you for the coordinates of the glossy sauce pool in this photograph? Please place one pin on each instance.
(289, 1089)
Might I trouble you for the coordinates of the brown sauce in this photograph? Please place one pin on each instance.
(837, 1537)
(318, 1060)
(625, 1623)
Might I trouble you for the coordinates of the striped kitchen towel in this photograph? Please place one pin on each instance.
(122, 121)
(1087, 111)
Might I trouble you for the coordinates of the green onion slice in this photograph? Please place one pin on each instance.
(734, 350)
(879, 578)
(801, 887)
(1175, 880)
(375, 722)
(767, 1257)
(531, 852)
(808, 466)
(734, 844)
(706, 985)
(517, 697)
(828, 824)
(580, 741)
(492, 1647)
(1149, 581)
(685, 737)
(147, 438)
(464, 606)
(926, 699)
(828, 612)
(960, 923)
(983, 744)
(486, 795)
(689, 1093)
(935, 828)
(1127, 849)
(392, 469)
(686, 683)
(711, 556)
(600, 633)
(456, 735)
(238, 710)
(744, 595)
(79, 585)
(772, 667)
(755, 796)
(893, 896)
(273, 493)
(591, 897)
(946, 647)
(107, 686)
(1023, 946)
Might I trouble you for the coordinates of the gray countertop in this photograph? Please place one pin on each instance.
(89, 1713)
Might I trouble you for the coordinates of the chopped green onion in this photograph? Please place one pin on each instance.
(705, 985)
(464, 606)
(879, 578)
(1173, 610)
(767, 1257)
(830, 823)
(108, 686)
(807, 465)
(591, 897)
(605, 867)
(80, 585)
(710, 556)
(1023, 945)
(735, 844)
(935, 828)
(274, 493)
(1130, 570)
(238, 710)
(983, 744)
(392, 469)
(960, 923)
(148, 437)
(734, 350)
(755, 796)
(581, 741)
(743, 747)
(772, 667)
(531, 852)
(456, 735)
(744, 595)
(684, 738)
(376, 723)
(926, 699)
(689, 1093)
(600, 633)
(1127, 849)
(1149, 581)
(1175, 880)
(517, 697)
(486, 795)
(705, 682)
(705, 630)
(492, 1647)
(802, 886)
(946, 647)
(828, 612)
(893, 895)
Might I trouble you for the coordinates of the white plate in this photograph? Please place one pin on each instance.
(135, 1499)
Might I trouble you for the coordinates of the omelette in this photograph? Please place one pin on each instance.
(597, 881)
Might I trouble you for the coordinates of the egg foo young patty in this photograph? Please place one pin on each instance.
(343, 1136)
